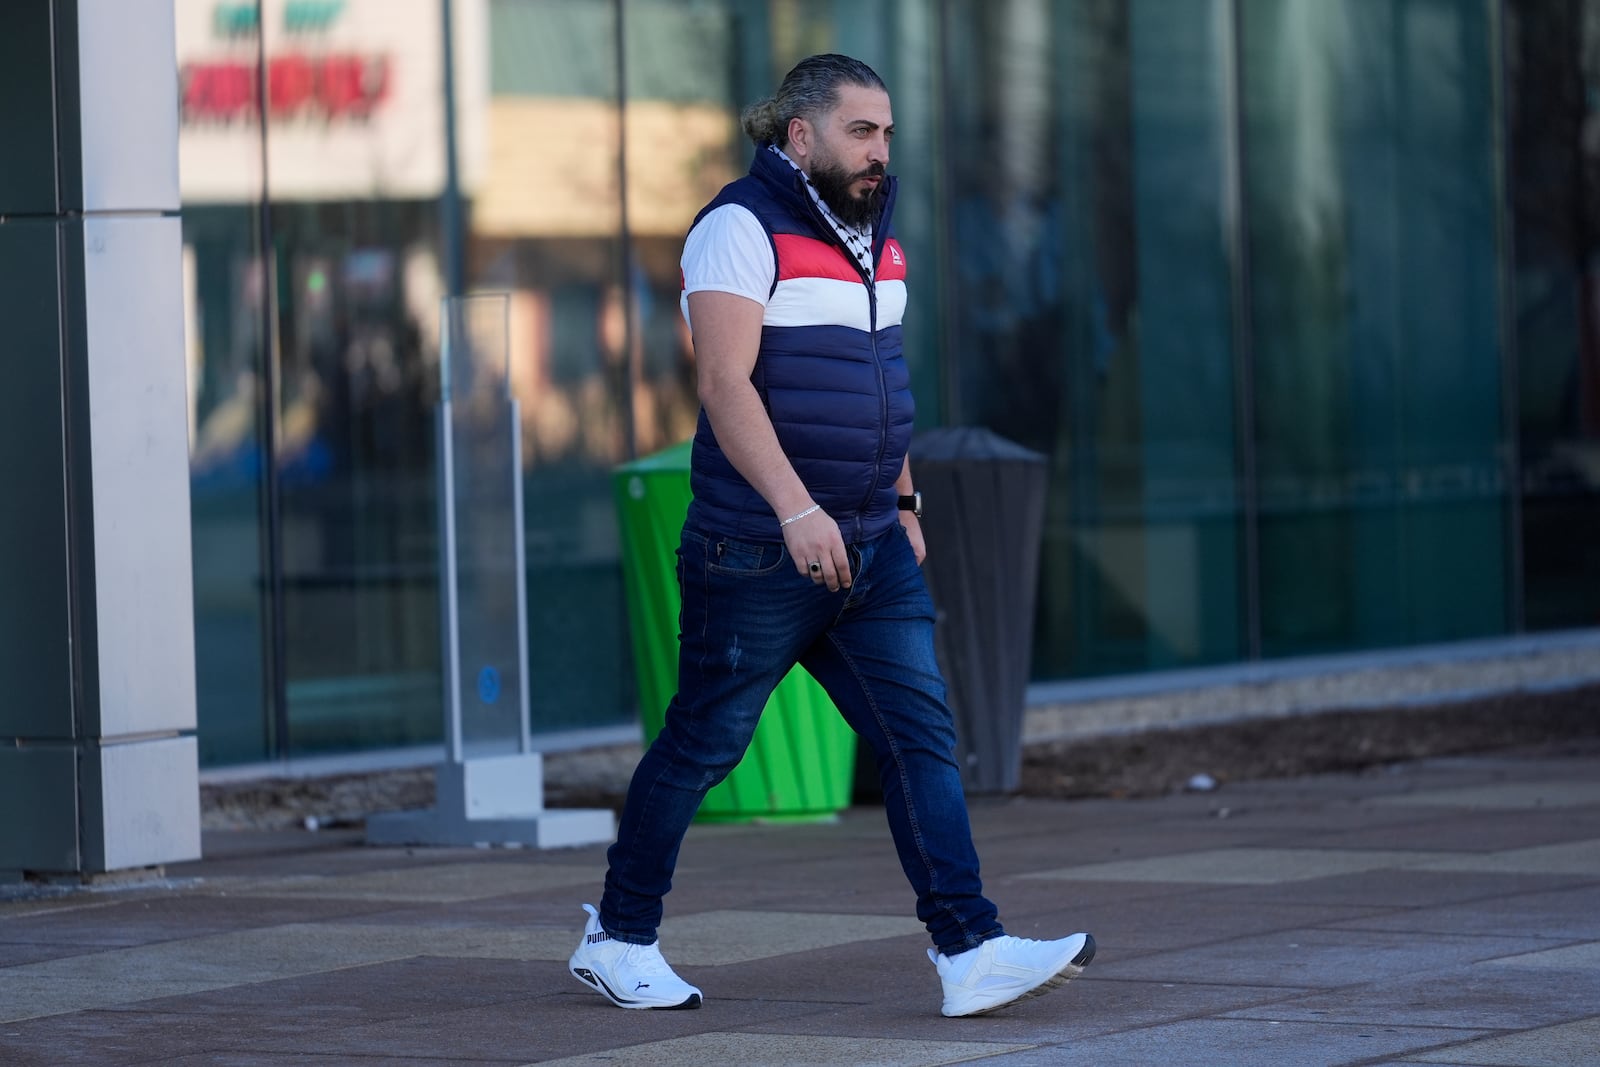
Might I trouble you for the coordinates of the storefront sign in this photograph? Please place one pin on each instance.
(317, 87)
(353, 95)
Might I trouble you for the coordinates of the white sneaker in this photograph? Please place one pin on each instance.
(630, 976)
(1004, 970)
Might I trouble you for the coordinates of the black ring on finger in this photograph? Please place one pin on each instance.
(815, 566)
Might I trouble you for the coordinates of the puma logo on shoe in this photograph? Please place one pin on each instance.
(628, 975)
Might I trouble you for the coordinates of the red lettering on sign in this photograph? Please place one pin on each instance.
(217, 90)
(352, 85)
(290, 84)
(343, 86)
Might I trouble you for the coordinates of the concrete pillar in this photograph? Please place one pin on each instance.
(98, 759)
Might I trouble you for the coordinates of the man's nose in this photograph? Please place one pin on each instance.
(878, 151)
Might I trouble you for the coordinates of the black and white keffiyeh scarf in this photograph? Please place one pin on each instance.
(859, 242)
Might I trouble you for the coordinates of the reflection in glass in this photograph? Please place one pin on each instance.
(1372, 222)
(1091, 303)
(356, 170)
(227, 301)
(546, 227)
(1553, 113)
(1231, 265)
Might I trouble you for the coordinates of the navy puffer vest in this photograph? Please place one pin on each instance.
(830, 369)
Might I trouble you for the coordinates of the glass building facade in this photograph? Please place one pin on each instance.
(1294, 296)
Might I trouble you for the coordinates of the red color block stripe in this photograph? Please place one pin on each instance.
(892, 263)
(807, 257)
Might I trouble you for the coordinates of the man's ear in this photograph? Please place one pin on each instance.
(799, 137)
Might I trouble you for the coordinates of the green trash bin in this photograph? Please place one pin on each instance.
(801, 765)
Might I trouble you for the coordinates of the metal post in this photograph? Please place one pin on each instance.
(455, 259)
(1510, 361)
(274, 640)
(450, 618)
(1246, 491)
(519, 553)
(633, 357)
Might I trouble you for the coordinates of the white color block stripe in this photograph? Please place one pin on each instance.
(891, 303)
(832, 302)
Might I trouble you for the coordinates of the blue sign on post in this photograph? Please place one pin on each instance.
(488, 685)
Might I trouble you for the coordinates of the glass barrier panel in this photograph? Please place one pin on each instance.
(486, 698)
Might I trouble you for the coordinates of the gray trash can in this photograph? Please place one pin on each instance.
(983, 518)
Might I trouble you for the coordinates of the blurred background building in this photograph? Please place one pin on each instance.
(1301, 300)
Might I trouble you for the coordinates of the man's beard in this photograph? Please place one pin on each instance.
(833, 182)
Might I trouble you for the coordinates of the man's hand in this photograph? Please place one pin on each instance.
(816, 539)
(904, 486)
(913, 527)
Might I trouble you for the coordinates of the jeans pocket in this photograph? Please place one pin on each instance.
(743, 557)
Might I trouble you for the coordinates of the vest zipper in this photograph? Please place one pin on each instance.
(872, 332)
(883, 402)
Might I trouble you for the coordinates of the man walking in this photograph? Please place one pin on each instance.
(802, 543)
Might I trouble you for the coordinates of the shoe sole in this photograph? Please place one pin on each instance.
(1066, 974)
(596, 983)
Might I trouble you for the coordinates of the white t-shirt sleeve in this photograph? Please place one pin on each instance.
(728, 251)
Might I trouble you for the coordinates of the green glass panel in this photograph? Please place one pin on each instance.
(1088, 293)
(1552, 74)
(1369, 179)
(356, 474)
(224, 293)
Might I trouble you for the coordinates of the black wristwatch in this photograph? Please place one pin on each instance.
(912, 503)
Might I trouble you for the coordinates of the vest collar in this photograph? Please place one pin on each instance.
(788, 184)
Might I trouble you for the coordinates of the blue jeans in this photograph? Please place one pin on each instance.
(748, 616)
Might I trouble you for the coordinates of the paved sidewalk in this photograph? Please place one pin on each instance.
(1440, 912)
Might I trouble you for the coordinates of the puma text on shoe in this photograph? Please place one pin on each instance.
(1004, 970)
(630, 976)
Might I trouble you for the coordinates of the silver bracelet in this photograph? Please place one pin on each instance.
(801, 515)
